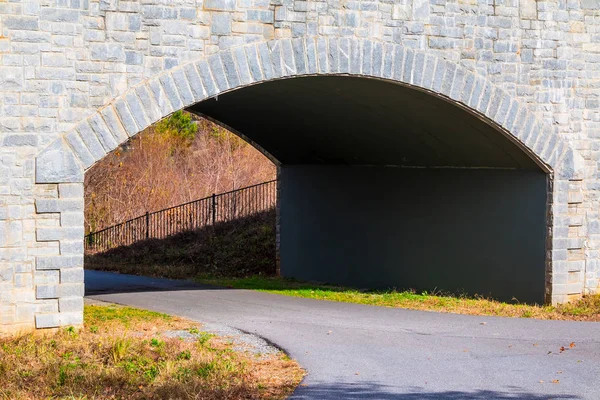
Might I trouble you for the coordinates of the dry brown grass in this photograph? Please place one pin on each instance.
(122, 353)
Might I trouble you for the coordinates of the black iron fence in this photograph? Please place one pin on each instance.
(194, 215)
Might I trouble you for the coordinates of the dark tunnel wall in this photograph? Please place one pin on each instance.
(474, 230)
(476, 224)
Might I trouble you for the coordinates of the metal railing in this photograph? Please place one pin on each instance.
(190, 216)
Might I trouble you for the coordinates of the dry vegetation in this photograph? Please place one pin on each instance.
(122, 353)
(180, 159)
(586, 309)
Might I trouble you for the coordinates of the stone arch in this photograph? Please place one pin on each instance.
(66, 159)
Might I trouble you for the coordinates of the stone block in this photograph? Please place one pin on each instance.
(253, 63)
(47, 320)
(220, 24)
(113, 123)
(23, 280)
(231, 74)
(72, 246)
(58, 205)
(80, 149)
(70, 304)
(137, 111)
(59, 262)
(218, 73)
(46, 291)
(71, 275)
(71, 289)
(220, 5)
(402, 12)
(208, 82)
(183, 87)
(265, 60)
(46, 277)
(276, 60)
(103, 133)
(151, 109)
(388, 60)
(70, 190)
(242, 66)
(377, 60)
(590, 4)
(57, 164)
(409, 57)
(170, 90)
(125, 117)
(7, 272)
(109, 52)
(193, 78)
(59, 233)
(117, 21)
(355, 54)
(20, 140)
(25, 312)
(367, 59)
(420, 10)
(15, 22)
(92, 142)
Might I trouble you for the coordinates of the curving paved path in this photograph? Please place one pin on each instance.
(357, 352)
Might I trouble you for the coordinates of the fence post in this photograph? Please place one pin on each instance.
(214, 208)
(147, 224)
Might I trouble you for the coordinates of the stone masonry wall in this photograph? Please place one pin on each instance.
(62, 60)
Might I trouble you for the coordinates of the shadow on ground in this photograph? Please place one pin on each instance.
(243, 247)
(381, 392)
(100, 282)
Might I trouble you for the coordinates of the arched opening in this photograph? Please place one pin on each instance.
(383, 185)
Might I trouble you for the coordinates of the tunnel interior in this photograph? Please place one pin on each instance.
(386, 186)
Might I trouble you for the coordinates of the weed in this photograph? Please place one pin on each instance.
(119, 349)
(151, 373)
(204, 337)
(205, 369)
(62, 376)
(71, 331)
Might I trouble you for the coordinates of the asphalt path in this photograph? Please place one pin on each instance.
(354, 351)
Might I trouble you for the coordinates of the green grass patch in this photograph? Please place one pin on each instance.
(96, 315)
(587, 308)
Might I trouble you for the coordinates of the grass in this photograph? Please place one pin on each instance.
(586, 309)
(122, 353)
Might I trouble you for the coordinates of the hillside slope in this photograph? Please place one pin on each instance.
(179, 159)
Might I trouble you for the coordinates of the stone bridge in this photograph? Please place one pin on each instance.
(420, 143)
